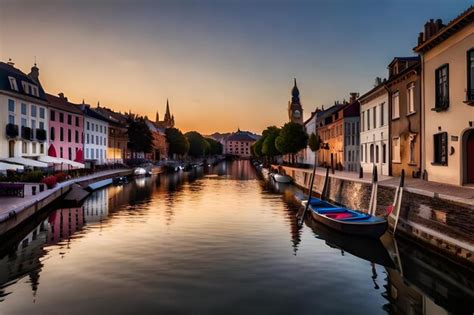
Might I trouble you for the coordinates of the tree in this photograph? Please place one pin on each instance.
(215, 147)
(177, 142)
(257, 147)
(268, 145)
(292, 139)
(140, 138)
(198, 146)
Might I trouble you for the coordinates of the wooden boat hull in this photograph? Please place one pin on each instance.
(372, 229)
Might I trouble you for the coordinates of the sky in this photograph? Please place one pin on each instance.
(224, 64)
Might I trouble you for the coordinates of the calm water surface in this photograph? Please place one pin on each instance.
(213, 241)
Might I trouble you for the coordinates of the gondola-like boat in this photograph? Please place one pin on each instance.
(346, 220)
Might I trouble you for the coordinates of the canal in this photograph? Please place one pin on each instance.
(214, 241)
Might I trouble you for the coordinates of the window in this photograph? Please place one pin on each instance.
(41, 125)
(396, 150)
(382, 114)
(69, 119)
(23, 109)
(87, 138)
(374, 115)
(11, 105)
(52, 115)
(69, 135)
(368, 119)
(33, 147)
(87, 124)
(376, 154)
(87, 153)
(24, 147)
(33, 125)
(384, 153)
(33, 110)
(470, 75)
(395, 105)
(69, 153)
(24, 123)
(440, 141)
(52, 136)
(77, 121)
(442, 87)
(42, 148)
(61, 152)
(92, 139)
(61, 117)
(42, 112)
(100, 128)
(412, 150)
(371, 153)
(11, 119)
(76, 136)
(13, 84)
(411, 98)
(61, 134)
(105, 129)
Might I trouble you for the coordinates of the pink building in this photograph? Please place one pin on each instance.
(66, 129)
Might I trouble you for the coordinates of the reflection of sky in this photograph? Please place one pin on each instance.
(223, 64)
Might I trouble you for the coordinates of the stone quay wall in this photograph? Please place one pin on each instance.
(442, 223)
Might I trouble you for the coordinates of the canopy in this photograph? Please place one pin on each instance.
(25, 162)
(13, 167)
(56, 160)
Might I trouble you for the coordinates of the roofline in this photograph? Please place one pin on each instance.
(428, 44)
(25, 97)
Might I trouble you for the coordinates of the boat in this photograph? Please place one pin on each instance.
(139, 171)
(346, 220)
(280, 178)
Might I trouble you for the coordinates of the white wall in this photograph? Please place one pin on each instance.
(95, 139)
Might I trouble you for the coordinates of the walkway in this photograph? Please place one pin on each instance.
(9, 204)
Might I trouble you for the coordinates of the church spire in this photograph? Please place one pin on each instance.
(157, 119)
(167, 113)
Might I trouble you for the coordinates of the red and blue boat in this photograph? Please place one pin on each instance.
(346, 220)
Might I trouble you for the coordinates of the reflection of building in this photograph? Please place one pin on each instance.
(238, 144)
(96, 206)
(64, 223)
(25, 260)
(448, 97)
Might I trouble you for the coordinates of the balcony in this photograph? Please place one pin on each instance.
(12, 131)
(41, 135)
(469, 97)
(26, 133)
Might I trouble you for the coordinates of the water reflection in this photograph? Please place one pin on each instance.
(215, 240)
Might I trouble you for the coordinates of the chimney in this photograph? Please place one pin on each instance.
(61, 96)
(431, 28)
(10, 62)
(354, 96)
(34, 74)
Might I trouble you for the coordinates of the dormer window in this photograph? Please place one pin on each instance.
(13, 84)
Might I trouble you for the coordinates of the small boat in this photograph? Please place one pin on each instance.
(139, 171)
(280, 178)
(346, 220)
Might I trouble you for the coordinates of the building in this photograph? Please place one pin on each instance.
(238, 144)
(159, 144)
(66, 125)
(330, 135)
(295, 109)
(351, 131)
(374, 135)
(168, 121)
(447, 57)
(96, 129)
(117, 138)
(404, 85)
(23, 116)
(310, 128)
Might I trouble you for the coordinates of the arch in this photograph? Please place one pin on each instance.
(467, 156)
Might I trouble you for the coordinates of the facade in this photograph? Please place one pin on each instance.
(329, 129)
(159, 144)
(238, 144)
(168, 121)
(66, 125)
(351, 131)
(310, 127)
(295, 109)
(374, 135)
(95, 137)
(447, 54)
(23, 114)
(117, 138)
(404, 85)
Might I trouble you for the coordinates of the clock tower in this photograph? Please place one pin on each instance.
(295, 110)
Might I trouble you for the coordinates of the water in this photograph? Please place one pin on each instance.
(217, 241)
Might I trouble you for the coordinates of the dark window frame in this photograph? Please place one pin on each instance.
(469, 82)
(439, 150)
(441, 104)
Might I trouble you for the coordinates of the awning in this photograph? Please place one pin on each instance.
(13, 167)
(56, 160)
(25, 162)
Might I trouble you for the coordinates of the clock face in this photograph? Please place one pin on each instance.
(297, 114)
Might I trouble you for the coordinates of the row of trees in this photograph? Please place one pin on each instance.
(191, 143)
(287, 140)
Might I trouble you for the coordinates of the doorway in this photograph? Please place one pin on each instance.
(11, 148)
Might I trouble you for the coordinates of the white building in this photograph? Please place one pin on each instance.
(23, 116)
(239, 144)
(374, 135)
(447, 55)
(95, 137)
(310, 127)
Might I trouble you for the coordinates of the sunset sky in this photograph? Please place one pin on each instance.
(222, 64)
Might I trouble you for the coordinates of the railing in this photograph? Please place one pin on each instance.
(12, 131)
(41, 134)
(26, 133)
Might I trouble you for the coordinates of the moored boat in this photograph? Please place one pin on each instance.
(346, 220)
(139, 171)
(280, 178)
